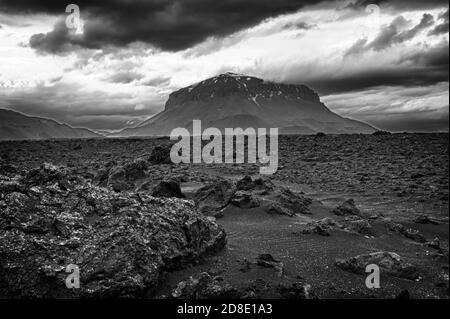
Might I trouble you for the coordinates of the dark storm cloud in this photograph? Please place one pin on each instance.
(422, 67)
(443, 27)
(125, 77)
(167, 24)
(297, 26)
(54, 41)
(440, 29)
(157, 82)
(368, 79)
(392, 34)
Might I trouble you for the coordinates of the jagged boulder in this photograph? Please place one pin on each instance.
(425, 220)
(361, 226)
(124, 177)
(347, 208)
(296, 203)
(212, 198)
(123, 243)
(282, 201)
(410, 233)
(101, 175)
(321, 227)
(268, 261)
(260, 185)
(245, 200)
(389, 263)
(48, 174)
(168, 188)
(275, 208)
(203, 286)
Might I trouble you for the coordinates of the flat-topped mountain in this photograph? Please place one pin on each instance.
(17, 126)
(232, 100)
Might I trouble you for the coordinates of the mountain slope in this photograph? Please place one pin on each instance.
(17, 126)
(232, 100)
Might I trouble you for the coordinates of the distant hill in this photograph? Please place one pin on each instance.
(233, 100)
(17, 126)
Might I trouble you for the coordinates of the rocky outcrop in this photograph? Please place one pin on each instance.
(250, 193)
(389, 263)
(167, 189)
(245, 200)
(361, 226)
(259, 185)
(268, 261)
(425, 220)
(124, 177)
(321, 227)
(123, 243)
(281, 201)
(295, 203)
(410, 233)
(212, 198)
(325, 226)
(347, 208)
(206, 286)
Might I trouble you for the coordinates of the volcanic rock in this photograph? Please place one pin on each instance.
(408, 233)
(203, 286)
(347, 208)
(298, 204)
(122, 243)
(169, 188)
(212, 198)
(123, 178)
(389, 263)
(277, 209)
(245, 200)
(321, 227)
(360, 226)
(160, 155)
(435, 243)
(267, 261)
(425, 220)
(260, 185)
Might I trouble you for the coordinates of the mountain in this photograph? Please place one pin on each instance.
(233, 100)
(17, 126)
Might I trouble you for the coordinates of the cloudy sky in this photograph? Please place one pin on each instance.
(383, 62)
